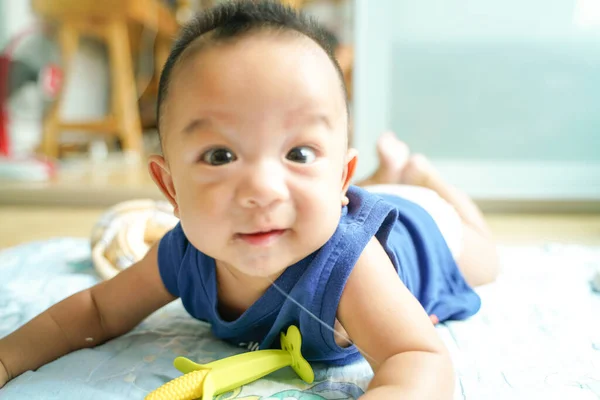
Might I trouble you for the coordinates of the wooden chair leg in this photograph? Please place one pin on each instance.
(294, 3)
(162, 49)
(68, 37)
(124, 93)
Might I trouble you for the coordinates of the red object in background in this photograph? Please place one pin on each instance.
(4, 137)
(51, 78)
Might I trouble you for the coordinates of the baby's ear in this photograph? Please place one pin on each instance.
(161, 175)
(348, 174)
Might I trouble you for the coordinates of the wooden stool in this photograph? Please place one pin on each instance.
(109, 21)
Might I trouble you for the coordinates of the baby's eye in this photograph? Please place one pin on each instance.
(218, 156)
(302, 154)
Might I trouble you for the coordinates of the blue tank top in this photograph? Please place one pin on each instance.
(408, 234)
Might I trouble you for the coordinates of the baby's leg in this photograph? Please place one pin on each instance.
(478, 260)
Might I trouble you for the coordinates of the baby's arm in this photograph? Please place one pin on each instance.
(391, 328)
(86, 319)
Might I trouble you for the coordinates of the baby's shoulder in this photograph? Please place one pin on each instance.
(366, 209)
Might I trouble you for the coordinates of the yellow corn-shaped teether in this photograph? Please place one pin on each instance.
(232, 372)
(186, 387)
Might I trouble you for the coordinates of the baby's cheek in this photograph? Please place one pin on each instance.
(327, 198)
(321, 216)
(205, 233)
(195, 213)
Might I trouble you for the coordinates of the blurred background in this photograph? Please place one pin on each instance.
(503, 96)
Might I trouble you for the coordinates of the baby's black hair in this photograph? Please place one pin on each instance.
(234, 19)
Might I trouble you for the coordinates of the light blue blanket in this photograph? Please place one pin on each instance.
(537, 335)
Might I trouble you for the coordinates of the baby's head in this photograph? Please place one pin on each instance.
(253, 121)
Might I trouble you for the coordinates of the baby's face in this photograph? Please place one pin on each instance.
(254, 134)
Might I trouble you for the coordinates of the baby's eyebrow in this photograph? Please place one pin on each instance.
(195, 125)
(325, 119)
(316, 118)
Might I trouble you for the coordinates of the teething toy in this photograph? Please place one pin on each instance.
(221, 376)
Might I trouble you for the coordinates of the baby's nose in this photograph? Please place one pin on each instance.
(262, 186)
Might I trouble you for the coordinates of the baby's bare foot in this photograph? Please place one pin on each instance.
(393, 155)
(418, 171)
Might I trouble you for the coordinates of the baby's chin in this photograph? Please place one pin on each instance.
(268, 269)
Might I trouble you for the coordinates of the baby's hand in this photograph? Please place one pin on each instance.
(3, 375)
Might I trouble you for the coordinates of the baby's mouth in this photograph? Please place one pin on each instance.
(262, 238)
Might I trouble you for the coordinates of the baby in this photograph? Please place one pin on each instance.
(253, 123)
